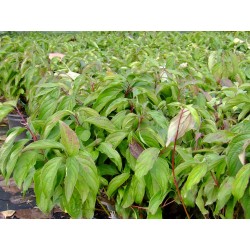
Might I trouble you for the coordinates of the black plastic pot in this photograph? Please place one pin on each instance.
(16, 121)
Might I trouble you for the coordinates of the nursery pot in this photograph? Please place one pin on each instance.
(16, 121)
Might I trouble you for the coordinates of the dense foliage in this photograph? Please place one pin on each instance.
(130, 121)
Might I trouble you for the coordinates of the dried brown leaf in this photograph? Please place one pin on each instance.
(32, 213)
(7, 213)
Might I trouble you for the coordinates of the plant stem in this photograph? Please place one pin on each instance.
(24, 122)
(215, 180)
(167, 203)
(173, 166)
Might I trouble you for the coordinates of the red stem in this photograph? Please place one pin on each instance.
(173, 166)
(215, 181)
(24, 122)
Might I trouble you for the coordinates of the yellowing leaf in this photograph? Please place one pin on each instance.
(72, 75)
(56, 54)
(180, 124)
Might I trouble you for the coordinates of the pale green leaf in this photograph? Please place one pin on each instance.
(116, 138)
(116, 104)
(102, 122)
(72, 169)
(25, 162)
(146, 161)
(48, 175)
(116, 182)
(224, 194)
(113, 155)
(195, 176)
(44, 144)
(241, 181)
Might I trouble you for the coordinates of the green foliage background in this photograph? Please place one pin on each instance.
(106, 116)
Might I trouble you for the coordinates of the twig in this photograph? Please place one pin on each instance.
(173, 166)
(142, 208)
(215, 180)
(25, 123)
(166, 204)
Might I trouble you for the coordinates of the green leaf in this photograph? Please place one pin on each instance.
(82, 188)
(44, 144)
(155, 202)
(102, 122)
(157, 215)
(116, 182)
(212, 59)
(25, 162)
(5, 110)
(120, 102)
(53, 119)
(43, 202)
(129, 122)
(128, 196)
(233, 150)
(149, 137)
(74, 206)
(113, 155)
(195, 176)
(72, 169)
(159, 118)
(146, 161)
(67, 103)
(161, 174)
(28, 180)
(7, 147)
(117, 120)
(221, 136)
(86, 112)
(245, 203)
(14, 155)
(229, 213)
(237, 100)
(88, 207)
(88, 171)
(48, 175)
(224, 194)
(138, 186)
(83, 134)
(241, 181)
(108, 94)
(69, 139)
(200, 202)
(105, 169)
(116, 138)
